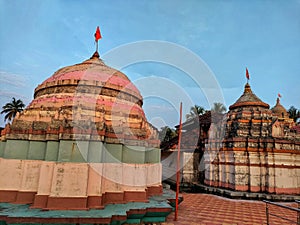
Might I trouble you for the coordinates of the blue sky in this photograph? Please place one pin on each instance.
(38, 37)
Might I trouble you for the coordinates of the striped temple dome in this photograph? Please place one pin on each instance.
(85, 101)
(82, 143)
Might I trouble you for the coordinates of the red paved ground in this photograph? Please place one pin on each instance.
(214, 210)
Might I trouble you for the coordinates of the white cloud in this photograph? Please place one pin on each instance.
(7, 78)
(10, 94)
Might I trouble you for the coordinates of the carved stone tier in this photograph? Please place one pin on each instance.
(86, 101)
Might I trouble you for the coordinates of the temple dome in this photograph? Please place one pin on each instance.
(85, 101)
(279, 110)
(248, 99)
(91, 72)
(81, 143)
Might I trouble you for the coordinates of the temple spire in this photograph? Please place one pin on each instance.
(278, 99)
(247, 88)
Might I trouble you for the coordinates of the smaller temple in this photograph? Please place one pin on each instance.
(283, 123)
(250, 149)
(258, 152)
(279, 111)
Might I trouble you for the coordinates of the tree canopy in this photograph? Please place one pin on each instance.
(218, 108)
(166, 134)
(195, 111)
(294, 113)
(11, 109)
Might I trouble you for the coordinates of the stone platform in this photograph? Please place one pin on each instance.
(201, 188)
(242, 194)
(154, 211)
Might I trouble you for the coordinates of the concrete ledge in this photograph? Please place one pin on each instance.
(154, 211)
(201, 188)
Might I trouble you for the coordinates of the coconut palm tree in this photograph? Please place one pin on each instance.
(12, 108)
(195, 111)
(218, 108)
(294, 113)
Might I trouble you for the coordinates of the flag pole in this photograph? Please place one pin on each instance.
(97, 37)
(247, 75)
(178, 164)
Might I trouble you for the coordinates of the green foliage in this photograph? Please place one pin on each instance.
(166, 134)
(218, 108)
(195, 111)
(294, 113)
(11, 109)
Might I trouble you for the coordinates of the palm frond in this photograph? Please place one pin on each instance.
(11, 108)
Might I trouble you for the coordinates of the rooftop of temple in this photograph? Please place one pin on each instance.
(87, 101)
(248, 99)
(279, 110)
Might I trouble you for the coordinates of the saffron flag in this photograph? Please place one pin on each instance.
(279, 95)
(247, 74)
(97, 34)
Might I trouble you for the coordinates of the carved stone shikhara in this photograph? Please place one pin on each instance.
(258, 152)
(251, 148)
